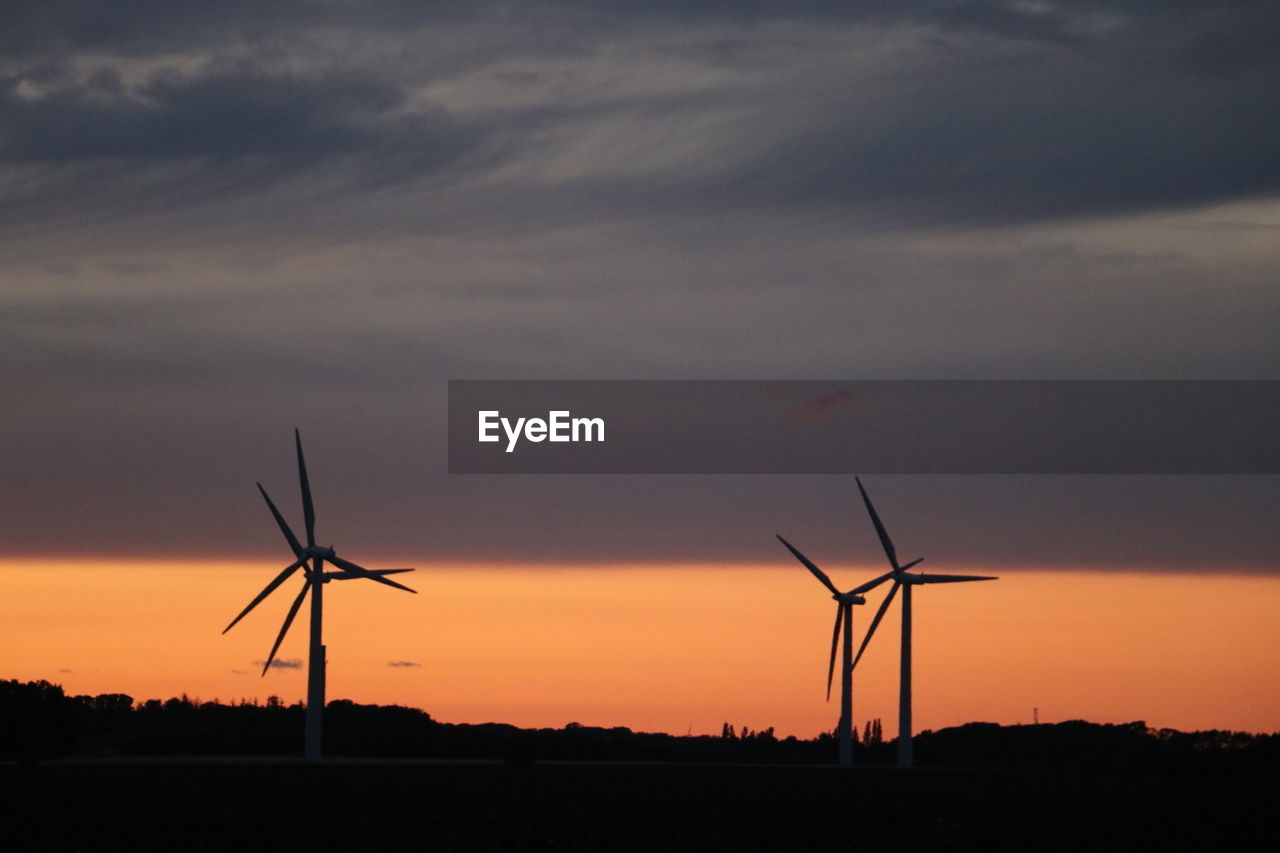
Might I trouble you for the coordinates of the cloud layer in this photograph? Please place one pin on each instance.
(224, 220)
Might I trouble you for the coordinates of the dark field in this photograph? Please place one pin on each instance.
(229, 806)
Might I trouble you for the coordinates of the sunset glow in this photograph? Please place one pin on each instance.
(664, 648)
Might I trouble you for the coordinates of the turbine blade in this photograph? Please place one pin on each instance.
(365, 573)
(279, 579)
(875, 623)
(880, 531)
(308, 508)
(835, 642)
(953, 578)
(817, 572)
(284, 629)
(914, 562)
(284, 527)
(347, 576)
(872, 584)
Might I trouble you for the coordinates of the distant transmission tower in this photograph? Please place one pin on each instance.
(1035, 715)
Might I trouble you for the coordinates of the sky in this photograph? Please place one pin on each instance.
(666, 647)
(223, 222)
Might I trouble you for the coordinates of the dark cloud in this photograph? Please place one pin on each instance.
(143, 26)
(984, 111)
(151, 25)
(239, 113)
(1072, 135)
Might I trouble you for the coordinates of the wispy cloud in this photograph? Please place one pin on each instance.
(283, 663)
(403, 663)
(818, 408)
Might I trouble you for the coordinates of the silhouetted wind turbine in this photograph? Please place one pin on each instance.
(906, 580)
(844, 616)
(316, 578)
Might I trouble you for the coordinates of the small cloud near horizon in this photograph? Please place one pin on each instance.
(239, 672)
(64, 669)
(403, 663)
(288, 663)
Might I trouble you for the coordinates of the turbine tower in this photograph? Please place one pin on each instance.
(311, 559)
(844, 616)
(906, 580)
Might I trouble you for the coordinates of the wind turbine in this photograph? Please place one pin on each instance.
(311, 559)
(844, 616)
(906, 580)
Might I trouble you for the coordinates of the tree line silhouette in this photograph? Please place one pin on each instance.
(39, 721)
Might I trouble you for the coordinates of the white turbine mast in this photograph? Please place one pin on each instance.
(311, 559)
(905, 579)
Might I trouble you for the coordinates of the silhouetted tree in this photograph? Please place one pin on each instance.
(38, 720)
(35, 721)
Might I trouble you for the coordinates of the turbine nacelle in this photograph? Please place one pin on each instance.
(904, 576)
(319, 551)
(849, 598)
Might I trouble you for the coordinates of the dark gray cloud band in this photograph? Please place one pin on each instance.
(975, 112)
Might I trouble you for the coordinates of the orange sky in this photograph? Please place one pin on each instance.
(664, 648)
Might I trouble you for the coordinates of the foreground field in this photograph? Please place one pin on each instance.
(357, 806)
